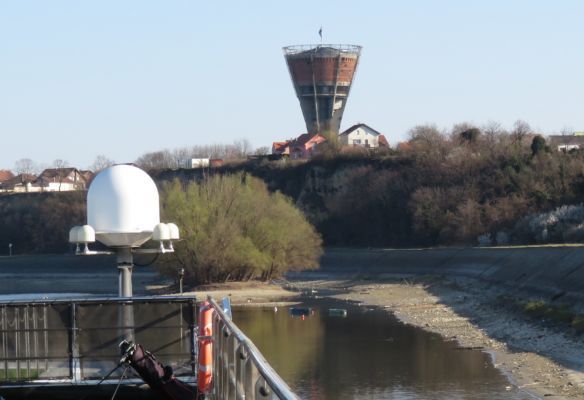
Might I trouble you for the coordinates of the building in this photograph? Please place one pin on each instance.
(60, 180)
(566, 142)
(216, 162)
(282, 148)
(5, 176)
(303, 147)
(18, 183)
(88, 176)
(362, 135)
(322, 76)
(193, 163)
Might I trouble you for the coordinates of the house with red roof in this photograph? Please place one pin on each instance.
(304, 146)
(5, 176)
(18, 183)
(282, 148)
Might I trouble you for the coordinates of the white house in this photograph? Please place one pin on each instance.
(58, 180)
(193, 163)
(566, 142)
(361, 135)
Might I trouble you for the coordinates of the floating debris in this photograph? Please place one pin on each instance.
(300, 311)
(337, 312)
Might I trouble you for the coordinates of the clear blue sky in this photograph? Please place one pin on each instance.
(121, 78)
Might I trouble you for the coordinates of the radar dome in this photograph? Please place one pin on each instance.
(122, 206)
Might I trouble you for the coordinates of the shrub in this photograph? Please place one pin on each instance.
(563, 224)
(232, 228)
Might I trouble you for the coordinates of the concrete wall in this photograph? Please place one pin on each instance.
(545, 271)
(52, 273)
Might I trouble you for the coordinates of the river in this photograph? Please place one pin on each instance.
(369, 354)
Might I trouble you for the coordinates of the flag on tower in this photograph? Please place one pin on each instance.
(320, 32)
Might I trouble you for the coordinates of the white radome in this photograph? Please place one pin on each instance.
(123, 206)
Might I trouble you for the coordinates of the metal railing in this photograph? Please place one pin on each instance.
(240, 371)
(300, 48)
(75, 341)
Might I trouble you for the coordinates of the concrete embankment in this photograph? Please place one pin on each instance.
(557, 272)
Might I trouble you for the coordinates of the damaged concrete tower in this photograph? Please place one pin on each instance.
(322, 77)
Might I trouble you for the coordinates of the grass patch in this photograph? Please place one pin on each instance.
(578, 323)
(535, 246)
(12, 375)
(560, 313)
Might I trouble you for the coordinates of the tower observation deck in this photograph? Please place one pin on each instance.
(322, 76)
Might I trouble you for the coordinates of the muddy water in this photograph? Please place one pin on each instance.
(369, 355)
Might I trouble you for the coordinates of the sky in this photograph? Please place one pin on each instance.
(80, 79)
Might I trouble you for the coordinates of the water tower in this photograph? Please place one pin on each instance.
(322, 76)
(123, 214)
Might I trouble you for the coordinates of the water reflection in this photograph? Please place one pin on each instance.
(368, 355)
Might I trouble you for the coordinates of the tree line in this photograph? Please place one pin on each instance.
(441, 187)
(175, 158)
(155, 160)
(467, 185)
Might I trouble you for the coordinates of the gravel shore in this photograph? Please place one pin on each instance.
(544, 360)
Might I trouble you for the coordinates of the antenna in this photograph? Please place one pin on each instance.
(123, 213)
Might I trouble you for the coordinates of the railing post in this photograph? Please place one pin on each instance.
(74, 366)
(262, 390)
(241, 372)
(35, 337)
(46, 336)
(4, 339)
(17, 344)
(192, 335)
(27, 340)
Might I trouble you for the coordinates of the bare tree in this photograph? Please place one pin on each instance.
(242, 147)
(567, 131)
(457, 129)
(262, 151)
(101, 162)
(520, 130)
(172, 159)
(492, 130)
(465, 132)
(428, 134)
(25, 166)
(179, 156)
(162, 159)
(60, 167)
(427, 139)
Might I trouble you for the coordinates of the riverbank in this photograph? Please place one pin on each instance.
(247, 293)
(541, 358)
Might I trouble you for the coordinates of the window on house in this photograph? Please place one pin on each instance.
(357, 141)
